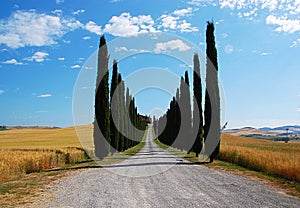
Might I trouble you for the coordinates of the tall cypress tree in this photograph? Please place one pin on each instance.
(102, 112)
(121, 112)
(212, 97)
(128, 118)
(182, 133)
(189, 139)
(114, 133)
(197, 116)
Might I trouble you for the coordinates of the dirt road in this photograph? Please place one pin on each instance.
(156, 178)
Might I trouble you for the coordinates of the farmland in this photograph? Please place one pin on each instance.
(274, 158)
(33, 150)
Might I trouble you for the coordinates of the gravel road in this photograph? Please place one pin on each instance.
(156, 178)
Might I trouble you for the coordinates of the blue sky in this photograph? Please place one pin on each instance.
(44, 46)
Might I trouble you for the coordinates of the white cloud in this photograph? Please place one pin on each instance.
(61, 59)
(88, 67)
(59, 1)
(121, 48)
(202, 3)
(86, 38)
(44, 95)
(219, 22)
(1, 92)
(284, 14)
(183, 12)
(284, 24)
(224, 35)
(75, 66)
(126, 25)
(297, 109)
(168, 21)
(57, 12)
(175, 21)
(201, 43)
(29, 28)
(12, 61)
(185, 26)
(265, 53)
(229, 49)
(93, 28)
(134, 50)
(79, 11)
(295, 43)
(38, 56)
(171, 45)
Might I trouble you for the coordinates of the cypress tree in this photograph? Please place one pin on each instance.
(188, 116)
(128, 119)
(182, 105)
(122, 113)
(177, 117)
(197, 116)
(102, 112)
(114, 133)
(212, 98)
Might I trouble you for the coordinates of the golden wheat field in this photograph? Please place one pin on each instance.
(273, 158)
(32, 150)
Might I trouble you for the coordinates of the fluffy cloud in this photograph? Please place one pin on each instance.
(183, 12)
(44, 95)
(12, 61)
(175, 21)
(16, 31)
(289, 22)
(38, 56)
(93, 28)
(126, 25)
(61, 59)
(1, 92)
(284, 24)
(171, 45)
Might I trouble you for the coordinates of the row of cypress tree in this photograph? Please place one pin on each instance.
(111, 117)
(178, 128)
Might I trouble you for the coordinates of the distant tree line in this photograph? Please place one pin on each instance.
(3, 127)
(177, 127)
(107, 137)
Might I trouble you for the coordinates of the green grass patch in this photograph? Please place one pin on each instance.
(6, 188)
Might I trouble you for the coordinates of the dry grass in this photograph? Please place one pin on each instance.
(271, 157)
(25, 151)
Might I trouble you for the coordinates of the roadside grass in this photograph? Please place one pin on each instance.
(32, 158)
(262, 152)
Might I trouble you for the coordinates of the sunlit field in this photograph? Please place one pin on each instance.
(32, 150)
(274, 158)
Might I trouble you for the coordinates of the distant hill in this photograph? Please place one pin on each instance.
(32, 127)
(277, 133)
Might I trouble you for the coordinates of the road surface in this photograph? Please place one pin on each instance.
(156, 178)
